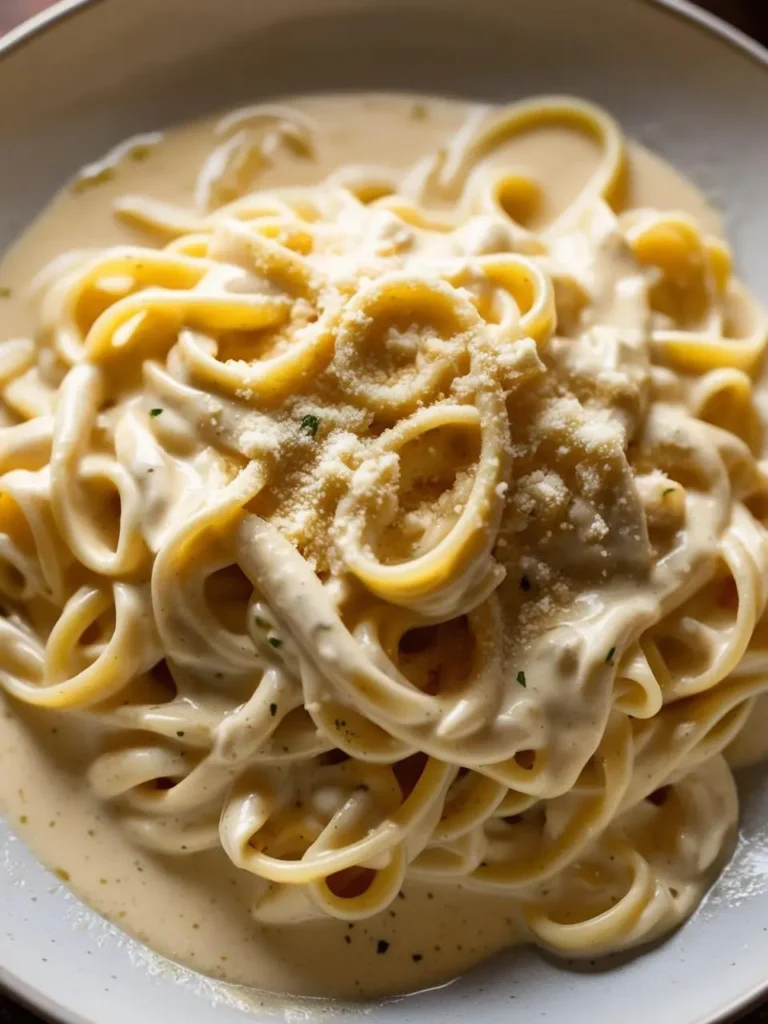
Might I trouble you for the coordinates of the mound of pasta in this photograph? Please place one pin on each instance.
(382, 537)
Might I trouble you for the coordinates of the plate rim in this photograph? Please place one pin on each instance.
(37, 1001)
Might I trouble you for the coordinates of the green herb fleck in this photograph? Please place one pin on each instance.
(382, 946)
(262, 623)
(525, 583)
(23, 819)
(669, 490)
(5, 293)
(273, 709)
(310, 424)
(155, 412)
(274, 642)
(179, 732)
(416, 957)
(419, 112)
(609, 656)
(521, 678)
(62, 874)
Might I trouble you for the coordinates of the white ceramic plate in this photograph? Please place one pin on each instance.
(92, 72)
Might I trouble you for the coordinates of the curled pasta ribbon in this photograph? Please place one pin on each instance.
(614, 927)
(275, 568)
(21, 657)
(724, 397)
(195, 635)
(688, 733)
(84, 293)
(510, 199)
(656, 861)
(434, 583)
(590, 815)
(33, 561)
(72, 468)
(637, 690)
(527, 284)
(383, 887)
(606, 182)
(460, 716)
(28, 396)
(286, 369)
(470, 802)
(352, 894)
(696, 463)
(119, 772)
(131, 773)
(343, 669)
(696, 291)
(252, 137)
(26, 445)
(695, 648)
(242, 735)
(190, 633)
(148, 782)
(193, 308)
(166, 721)
(165, 291)
(61, 681)
(345, 727)
(247, 813)
(399, 300)
(452, 860)
(16, 357)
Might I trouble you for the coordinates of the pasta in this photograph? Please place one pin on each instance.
(381, 535)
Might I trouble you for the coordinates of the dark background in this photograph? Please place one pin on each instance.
(749, 15)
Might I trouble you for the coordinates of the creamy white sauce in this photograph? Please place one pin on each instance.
(197, 909)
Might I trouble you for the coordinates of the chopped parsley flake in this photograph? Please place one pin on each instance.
(669, 490)
(5, 293)
(382, 946)
(609, 656)
(521, 678)
(274, 642)
(155, 412)
(262, 623)
(273, 709)
(310, 424)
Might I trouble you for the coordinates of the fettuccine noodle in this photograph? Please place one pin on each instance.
(385, 534)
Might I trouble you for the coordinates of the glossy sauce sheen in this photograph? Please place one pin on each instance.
(196, 910)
